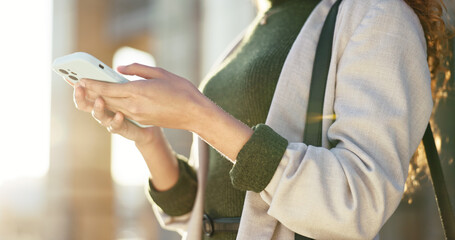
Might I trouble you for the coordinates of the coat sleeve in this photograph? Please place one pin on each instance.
(382, 105)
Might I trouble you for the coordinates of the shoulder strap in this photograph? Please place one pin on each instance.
(313, 128)
(439, 186)
(313, 125)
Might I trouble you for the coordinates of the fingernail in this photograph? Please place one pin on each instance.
(77, 92)
(97, 103)
(82, 82)
(118, 116)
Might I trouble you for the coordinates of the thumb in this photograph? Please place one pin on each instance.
(143, 71)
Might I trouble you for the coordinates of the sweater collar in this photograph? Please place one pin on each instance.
(267, 4)
(275, 2)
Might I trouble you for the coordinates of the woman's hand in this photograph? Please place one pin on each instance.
(166, 100)
(163, 99)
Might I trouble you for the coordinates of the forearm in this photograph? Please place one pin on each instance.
(219, 129)
(160, 160)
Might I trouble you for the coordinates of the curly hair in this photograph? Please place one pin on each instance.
(430, 13)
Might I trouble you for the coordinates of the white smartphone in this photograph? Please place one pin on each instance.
(78, 65)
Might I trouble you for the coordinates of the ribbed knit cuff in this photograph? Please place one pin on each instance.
(258, 160)
(180, 198)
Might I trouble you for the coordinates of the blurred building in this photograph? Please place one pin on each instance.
(183, 37)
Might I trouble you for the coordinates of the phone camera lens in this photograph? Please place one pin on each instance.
(63, 71)
(73, 77)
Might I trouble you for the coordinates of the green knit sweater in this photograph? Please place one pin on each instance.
(243, 86)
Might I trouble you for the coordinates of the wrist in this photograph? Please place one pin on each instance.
(221, 130)
(149, 136)
(159, 158)
(202, 113)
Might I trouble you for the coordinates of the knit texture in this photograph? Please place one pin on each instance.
(243, 86)
(258, 159)
(179, 199)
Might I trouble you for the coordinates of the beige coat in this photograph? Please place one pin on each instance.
(379, 88)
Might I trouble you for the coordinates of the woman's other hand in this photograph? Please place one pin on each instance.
(114, 122)
(151, 142)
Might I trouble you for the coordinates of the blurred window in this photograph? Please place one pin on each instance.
(127, 166)
(25, 46)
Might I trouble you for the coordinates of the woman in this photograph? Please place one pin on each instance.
(252, 112)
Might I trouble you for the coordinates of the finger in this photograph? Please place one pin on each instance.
(105, 88)
(143, 71)
(118, 124)
(127, 129)
(80, 101)
(118, 121)
(91, 95)
(119, 105)
(100, 114)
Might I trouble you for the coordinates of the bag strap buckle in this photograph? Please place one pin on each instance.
(207, 225)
